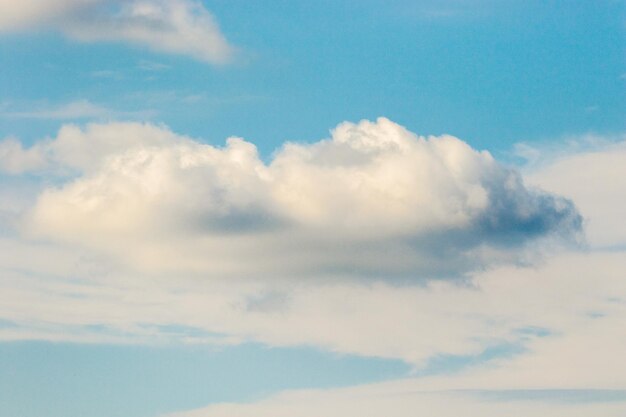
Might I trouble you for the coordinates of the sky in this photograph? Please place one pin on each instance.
(288, 208)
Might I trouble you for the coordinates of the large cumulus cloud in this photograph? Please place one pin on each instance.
(372, 200)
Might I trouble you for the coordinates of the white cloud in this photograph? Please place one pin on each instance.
(28, 14)
(596, 179)
(374, 200)
(564, 316)
(14, 159)
(578, 302)
(171, 26)
(76, 151)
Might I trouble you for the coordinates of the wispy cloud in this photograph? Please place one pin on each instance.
(152, 66)
(76, 110)
(80, 109)
(181, 27)
(159, 98)
(403, 400)
(110, 74)
(444, 10)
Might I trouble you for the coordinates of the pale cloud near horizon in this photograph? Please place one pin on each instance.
(374, 200)
(557, 313)
(182, 27)
(403, 400)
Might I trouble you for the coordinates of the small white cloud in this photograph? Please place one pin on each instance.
(181, 27)
(152, 66)
(75, 110)
(80, 109)
(31, 14)
(14, 159)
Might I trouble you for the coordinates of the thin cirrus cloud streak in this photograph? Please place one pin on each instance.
(182, 27)
(425, 207)
(76, 110)
(404, 401)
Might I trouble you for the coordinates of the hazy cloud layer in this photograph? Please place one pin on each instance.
(566, 311)
(402, 400)
(374, 200)
(182, 27)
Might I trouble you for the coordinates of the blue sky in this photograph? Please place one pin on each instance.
(287, 208)
(74, 380)
(492, 73)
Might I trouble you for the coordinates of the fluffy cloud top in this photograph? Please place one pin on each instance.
(373, 200)
(170, 26)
